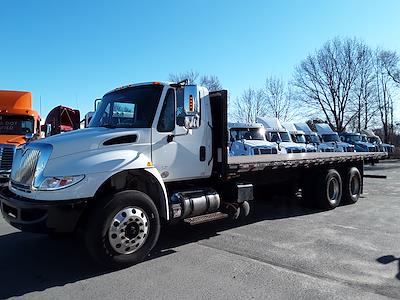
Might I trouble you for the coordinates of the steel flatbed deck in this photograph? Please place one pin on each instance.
(238, 164)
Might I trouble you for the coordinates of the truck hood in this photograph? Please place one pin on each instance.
(258, 143)
(88, 139)
(12, 139)
(339, 144)
(387, 145)
(292, 145)
(361, 144)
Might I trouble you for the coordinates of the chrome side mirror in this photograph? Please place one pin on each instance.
(48, 130)
(29, 136)
(188, 107)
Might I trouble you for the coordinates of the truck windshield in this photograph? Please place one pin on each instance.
(331, 137)
(132, 107)
(285, 137)
(299, 138)
(312, 139)
(246, 134)
(16, 125)
(375, 139)
(352, 138)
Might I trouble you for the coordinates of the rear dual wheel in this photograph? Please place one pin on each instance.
(326, 192)
(330, 190)
(352, 186)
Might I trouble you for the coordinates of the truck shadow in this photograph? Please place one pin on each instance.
(387, 259)
(32, 262)
(279, 207)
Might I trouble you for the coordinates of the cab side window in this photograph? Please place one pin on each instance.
(166, 123)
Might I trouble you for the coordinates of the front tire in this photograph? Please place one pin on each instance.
(122, 229)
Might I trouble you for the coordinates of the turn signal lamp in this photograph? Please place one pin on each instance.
(191, 104)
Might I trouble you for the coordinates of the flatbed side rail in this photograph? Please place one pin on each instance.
(241, 164)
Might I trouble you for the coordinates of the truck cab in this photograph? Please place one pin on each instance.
(18, 123)
(356, 140)
(370, 137)
(276, 133)
(299, 137)
(313, 138)
(249, 139)
(332, 139)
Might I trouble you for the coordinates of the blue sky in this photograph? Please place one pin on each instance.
(71, 52)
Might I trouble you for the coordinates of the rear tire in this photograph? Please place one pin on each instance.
(352, 186)
(122, 229)
(326, 192)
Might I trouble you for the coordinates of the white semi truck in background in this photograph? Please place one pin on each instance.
(371, 137)
(313, 138)
(298, 136)
(156, 154)
(249, 139)
(331, 138)
(276, 133)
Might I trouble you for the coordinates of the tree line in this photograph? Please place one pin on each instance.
(345, 83)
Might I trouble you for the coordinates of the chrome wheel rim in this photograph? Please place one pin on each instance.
(128, 230)
(333, 189)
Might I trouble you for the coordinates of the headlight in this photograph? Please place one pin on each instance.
(57, 183)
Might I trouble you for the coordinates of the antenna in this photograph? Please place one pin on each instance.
(40, 104)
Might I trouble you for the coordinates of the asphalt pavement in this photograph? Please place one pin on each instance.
(283, 251)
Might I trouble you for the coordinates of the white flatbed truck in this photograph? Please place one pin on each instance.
(155, 154)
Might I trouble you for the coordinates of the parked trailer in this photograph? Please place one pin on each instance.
(61, 119)
(157, 154)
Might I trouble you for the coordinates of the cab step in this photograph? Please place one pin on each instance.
(205, 218)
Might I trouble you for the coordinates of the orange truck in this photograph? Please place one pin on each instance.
(18, 123)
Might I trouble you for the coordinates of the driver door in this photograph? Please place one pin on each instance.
(176, 151)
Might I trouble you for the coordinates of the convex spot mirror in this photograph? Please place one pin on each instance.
(188, 107)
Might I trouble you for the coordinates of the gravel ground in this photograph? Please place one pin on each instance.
(284, 251)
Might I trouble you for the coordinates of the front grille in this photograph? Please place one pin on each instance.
(274, 151)
(24, 166)
(297, 151)
(6, 158)
(371, 149)
(349, 149)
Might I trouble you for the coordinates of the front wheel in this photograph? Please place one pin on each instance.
(123, 229)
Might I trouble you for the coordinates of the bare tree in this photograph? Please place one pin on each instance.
(211, 82)
(325, 80)
(365, 103)
(384, 94)
(190, 75)
(248, 106)
(279, 99)
(390, 63)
